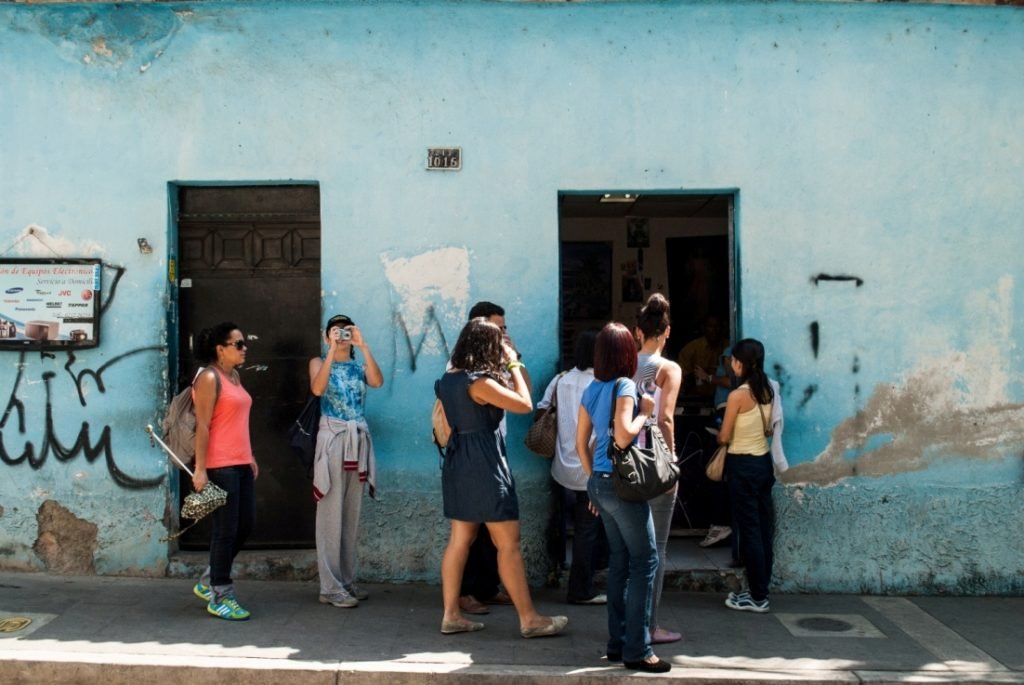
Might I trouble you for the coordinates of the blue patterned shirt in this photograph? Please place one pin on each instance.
(345, 395)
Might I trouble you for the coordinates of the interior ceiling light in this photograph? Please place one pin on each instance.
(619, 197)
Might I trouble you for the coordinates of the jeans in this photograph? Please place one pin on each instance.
(632, 563)
(662, 508)
(586, 531)
(232, 523)
(750, 479)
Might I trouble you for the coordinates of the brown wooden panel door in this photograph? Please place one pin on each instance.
(251, 255)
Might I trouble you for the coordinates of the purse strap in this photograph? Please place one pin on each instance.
(611, 414)
(760, 410)
(554, 393)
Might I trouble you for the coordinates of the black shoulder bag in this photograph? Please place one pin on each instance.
(640, 474)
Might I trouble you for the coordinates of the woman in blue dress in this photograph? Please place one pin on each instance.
(485, 380)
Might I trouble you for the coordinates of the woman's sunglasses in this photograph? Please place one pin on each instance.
(238, 344)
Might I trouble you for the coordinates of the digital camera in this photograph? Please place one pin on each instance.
(344, 334)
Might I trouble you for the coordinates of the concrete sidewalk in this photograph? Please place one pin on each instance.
(133, 630)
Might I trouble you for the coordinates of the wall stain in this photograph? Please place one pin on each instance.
(837, 277)
(783, 377)
(808, 394)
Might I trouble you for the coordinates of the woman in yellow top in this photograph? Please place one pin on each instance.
(749, 473)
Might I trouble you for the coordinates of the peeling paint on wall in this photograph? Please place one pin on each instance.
(430, 297)
(956, 403)
(66, 543)
(119, 36)
(35, 241)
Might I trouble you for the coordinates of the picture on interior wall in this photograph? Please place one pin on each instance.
(586, 280)
(632, 282)
(637, 232)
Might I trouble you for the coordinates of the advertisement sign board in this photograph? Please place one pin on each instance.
(49, 304)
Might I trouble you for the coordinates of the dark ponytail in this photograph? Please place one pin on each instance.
(205, 346)
(654, 318)
(750, 353)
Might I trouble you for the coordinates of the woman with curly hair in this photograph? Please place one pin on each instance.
(485, 381)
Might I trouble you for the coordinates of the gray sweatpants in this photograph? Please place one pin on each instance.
(337, 527)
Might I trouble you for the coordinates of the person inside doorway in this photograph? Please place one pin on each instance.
(720, 528)
(699, 358)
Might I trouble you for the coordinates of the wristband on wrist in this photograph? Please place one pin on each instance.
(515, 365)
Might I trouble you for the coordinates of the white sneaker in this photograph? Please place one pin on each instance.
(744, 602)
(715, 535)
(358, 592)
(342, 601)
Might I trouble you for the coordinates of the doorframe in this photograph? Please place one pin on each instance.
(173, 319)
(732, 230)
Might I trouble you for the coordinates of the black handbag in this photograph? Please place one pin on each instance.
(302, 432)
(641, 473)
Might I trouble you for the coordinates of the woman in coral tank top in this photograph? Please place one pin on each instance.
(224, 456)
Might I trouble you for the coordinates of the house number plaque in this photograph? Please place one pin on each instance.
(444, 158)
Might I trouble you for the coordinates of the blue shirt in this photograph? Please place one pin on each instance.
(597, 400)
(345, 394)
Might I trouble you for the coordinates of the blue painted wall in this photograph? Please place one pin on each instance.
(882, 142)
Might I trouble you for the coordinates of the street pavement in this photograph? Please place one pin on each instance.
(153, 630)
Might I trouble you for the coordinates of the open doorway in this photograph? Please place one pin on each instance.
(619, 247)
(250, 254)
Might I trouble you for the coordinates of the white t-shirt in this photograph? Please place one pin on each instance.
(565, 467)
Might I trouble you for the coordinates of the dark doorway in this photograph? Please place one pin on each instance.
(251, 255)
(619, 247)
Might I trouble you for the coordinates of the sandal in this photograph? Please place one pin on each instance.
(469, 604)
(500, 597)
(463, 626)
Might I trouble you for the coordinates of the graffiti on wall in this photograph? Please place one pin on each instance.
(13, 421)
(51, 443)
(429, 295)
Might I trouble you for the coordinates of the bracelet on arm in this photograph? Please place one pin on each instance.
(515, 365)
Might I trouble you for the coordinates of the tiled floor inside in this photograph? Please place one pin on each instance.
(685, 554)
